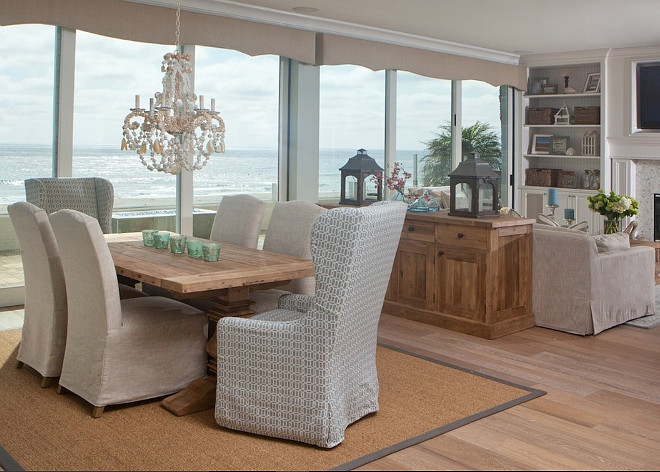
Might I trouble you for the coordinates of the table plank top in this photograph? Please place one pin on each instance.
(237, 266)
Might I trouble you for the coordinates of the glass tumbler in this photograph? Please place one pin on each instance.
(178, 243)
(161, 240)
(148, 237)
(194, 248)
(211, 251)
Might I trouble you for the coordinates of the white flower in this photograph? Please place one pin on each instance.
(504, 211)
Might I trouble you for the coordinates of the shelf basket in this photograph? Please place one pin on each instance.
(542, 177)
(591, 143)
(587, 115)
(540, 116)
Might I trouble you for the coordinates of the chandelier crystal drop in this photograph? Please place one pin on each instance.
(174, 134)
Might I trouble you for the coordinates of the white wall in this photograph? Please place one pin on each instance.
(634, 156)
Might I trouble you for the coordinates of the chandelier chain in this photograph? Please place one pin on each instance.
(178, 25)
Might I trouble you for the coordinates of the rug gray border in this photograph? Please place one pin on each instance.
(7, 463)
(533, 393)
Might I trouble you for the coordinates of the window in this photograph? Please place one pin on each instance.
(26, 128)
(352, 117)
(109, 73)
(422, 124)
(246, 91)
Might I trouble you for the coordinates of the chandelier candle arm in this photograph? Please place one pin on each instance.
(174, 135)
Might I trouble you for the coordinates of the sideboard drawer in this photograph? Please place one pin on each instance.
(463, 236)
(418, 231)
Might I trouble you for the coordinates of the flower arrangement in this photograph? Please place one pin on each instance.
(613, 207)
(397, 179)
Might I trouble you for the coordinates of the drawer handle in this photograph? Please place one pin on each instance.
(460, 235)
(411, 228)
(440, 253)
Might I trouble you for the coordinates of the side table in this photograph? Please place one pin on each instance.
(655, 245)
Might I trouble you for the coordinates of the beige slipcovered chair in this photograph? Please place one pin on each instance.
(93, 196)
(584, 284)
(289, 232)
(120, 351)
(45, 314)
(308, 369)
(238, 220)
(44, 324)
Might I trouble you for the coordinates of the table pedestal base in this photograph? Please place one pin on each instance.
(199, 395)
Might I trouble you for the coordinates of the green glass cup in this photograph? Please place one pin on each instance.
(178, 243)
(148, 237)
(211, 251)
(161, 240)
(194, 248)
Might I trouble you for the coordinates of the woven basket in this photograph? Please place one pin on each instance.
(542, 177)
(587, 115)
(541, 116)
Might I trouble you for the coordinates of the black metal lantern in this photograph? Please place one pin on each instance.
(356, 185)
(473, 189)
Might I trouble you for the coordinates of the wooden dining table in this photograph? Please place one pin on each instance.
(225, 285)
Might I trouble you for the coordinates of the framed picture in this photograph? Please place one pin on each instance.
(559, 145)
(535, 84)
(541, 143)
(548, 89)
(592, 85)
(568, 180)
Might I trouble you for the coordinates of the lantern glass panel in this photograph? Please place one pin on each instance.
(369, 190)
(463, 194)
(486, 197)
(351, 187)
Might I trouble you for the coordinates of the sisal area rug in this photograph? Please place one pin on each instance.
(419, 399)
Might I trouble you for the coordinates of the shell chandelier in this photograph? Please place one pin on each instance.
(174, 134)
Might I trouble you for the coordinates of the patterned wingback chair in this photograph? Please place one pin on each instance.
(307, 370)
(93, 196)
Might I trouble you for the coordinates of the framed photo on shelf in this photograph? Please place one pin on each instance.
(541, 143)
(548, 89)
(592, 85)
(535, 84)
(559, 145)
(568, 180)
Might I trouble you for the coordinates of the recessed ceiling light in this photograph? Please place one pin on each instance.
(305, 9)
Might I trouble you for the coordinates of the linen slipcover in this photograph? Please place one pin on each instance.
(308, 369)
(238, 220)
(289, 232)
(120, 351)
(579, 290)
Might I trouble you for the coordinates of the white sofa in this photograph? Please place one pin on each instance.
(584, 284)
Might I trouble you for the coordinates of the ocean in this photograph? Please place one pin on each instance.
(252, 171)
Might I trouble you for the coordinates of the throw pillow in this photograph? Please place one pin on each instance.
(612, 242)
(546, 220)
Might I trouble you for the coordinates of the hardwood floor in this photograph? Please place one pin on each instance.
(601, 411)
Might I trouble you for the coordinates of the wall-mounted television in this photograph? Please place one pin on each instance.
(648, 95)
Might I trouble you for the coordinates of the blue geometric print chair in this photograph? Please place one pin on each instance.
(307, 370)
(92, 196)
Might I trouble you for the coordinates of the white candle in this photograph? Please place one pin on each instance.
(151, 104)
(213, 104)
(137, 101)
(201, 102)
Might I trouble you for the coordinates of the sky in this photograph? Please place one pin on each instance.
(110, 72)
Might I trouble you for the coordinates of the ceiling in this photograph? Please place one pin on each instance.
(516, 27)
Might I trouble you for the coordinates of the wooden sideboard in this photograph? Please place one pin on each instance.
(471, 275)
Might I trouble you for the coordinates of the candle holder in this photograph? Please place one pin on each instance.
(552, 209)
(568, 222)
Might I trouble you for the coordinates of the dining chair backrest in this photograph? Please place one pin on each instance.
(238, 220)
(45, 316)
(92, 288)
(93, 196)
(289, 232)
